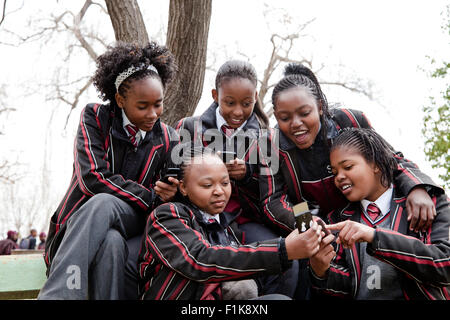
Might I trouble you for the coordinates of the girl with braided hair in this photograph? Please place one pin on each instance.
(121, 149)
(233, 122)
(378, 256)
(300, 144)
(194, 250)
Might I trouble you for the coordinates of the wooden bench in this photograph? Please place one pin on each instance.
(22, 275)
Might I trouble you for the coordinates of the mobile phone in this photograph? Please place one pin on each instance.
(303, 217)
(228, 156)
(171, 172)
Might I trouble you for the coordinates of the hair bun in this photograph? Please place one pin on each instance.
(296, 68)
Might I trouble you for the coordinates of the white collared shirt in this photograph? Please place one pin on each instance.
(383, 202)
(220, 121)
(208, 216)
(126, 122)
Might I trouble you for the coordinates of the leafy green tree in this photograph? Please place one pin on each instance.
(436, 128)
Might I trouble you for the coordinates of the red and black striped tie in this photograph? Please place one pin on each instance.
(227, 130)
(373, 211)
(132, 130)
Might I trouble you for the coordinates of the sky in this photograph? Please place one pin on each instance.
(384, 42)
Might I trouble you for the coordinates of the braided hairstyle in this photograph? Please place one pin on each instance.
(242, 69)
(122, 56)
(192, 151)
(298, 76)
(372, 147)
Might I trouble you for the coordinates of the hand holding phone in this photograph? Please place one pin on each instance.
(171, 172)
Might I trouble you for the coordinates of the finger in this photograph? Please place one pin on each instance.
(175, 181)
(408, 210)
(414, 218)
(422, 219)
(337, 226)
(327, 240)
(430, 218)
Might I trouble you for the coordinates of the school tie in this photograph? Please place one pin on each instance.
(133, 131)
(373, 211)
(227, 130)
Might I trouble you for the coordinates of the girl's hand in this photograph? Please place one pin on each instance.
(320, 262)
(421, 209)
(303, 245)
(236, 169)
(351, 232)
(167, 191)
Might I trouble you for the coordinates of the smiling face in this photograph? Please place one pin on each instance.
(143, 104)
(236, 98)
(206, 183)
(298, 116)
(354, 176)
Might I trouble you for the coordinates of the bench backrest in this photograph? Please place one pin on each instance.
(21, 276)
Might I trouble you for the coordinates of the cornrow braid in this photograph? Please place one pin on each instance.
(242, 69)
(372, 147)
(190, 152)
(122, 56)
(298, 76)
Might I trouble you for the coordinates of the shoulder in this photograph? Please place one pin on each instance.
(172, 210)
(346, 118)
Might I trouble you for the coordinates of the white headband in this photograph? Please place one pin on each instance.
(125, 74)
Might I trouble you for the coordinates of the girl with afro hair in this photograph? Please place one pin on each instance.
(121, 151)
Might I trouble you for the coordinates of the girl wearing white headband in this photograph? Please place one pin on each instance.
(121, 150)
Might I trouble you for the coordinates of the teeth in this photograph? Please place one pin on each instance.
(346, 186)
(299, 133)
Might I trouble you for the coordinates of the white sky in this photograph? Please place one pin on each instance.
(383, 41)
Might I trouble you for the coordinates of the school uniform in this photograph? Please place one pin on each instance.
(399, 264)
(107, 202)
(305, 174)
(207, 130)
(185, 255)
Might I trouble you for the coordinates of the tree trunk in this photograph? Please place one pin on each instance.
(187, 38)
(127, 21)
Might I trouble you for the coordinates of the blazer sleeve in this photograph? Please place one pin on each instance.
(92, 168)
(276, 208)
(338, 280)
(426, 260)
(171, 238)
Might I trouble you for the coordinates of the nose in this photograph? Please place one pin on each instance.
(296, 121)
(340, 176)
(218, 190)
(237, 112)
(151, 114)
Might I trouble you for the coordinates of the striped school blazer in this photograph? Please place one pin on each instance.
(178, 262)
(105, 161)
(422, 259)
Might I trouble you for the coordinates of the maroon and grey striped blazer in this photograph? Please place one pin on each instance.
(421, 259)
(105, 161)
(177, 262)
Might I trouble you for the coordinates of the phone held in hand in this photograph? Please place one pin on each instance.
(303, 217)
(171, 172)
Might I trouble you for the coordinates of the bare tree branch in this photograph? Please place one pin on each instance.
(4, 12)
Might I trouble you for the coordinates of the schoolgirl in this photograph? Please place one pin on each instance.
(192, 250)
(121, 148)
(300, 146)
(378, 256)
